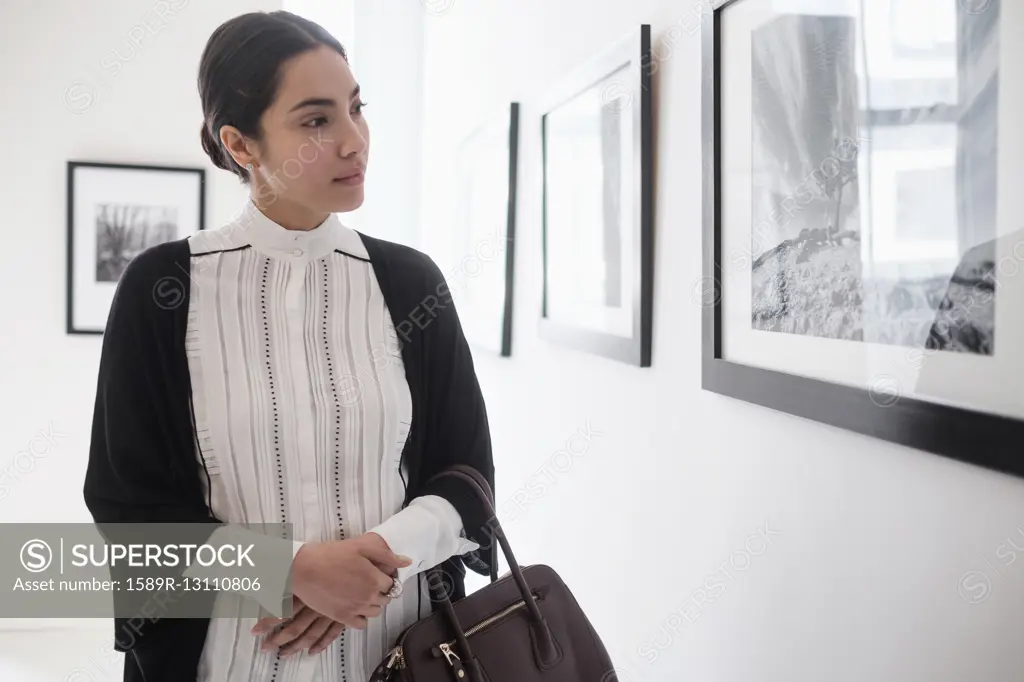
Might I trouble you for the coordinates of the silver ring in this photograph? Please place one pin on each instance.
(396, 589)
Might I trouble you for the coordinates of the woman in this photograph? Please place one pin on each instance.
(287, 369)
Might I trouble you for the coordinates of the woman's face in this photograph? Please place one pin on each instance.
(315, 140)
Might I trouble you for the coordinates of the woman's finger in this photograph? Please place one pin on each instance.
(291, 630)
(264, 625)
(356, 622)
(371, 611)
(325, 640)
(268, 624)
(316, 630)
(380, 599)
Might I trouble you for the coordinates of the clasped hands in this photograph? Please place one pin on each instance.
(335, 585)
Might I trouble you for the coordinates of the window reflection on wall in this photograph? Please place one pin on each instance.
(931, 104)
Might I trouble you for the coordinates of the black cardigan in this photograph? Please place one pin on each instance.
(143, 465)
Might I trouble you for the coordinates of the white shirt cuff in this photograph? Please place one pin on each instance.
(428, 531)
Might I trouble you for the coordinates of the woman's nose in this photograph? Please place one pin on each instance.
(352, 141)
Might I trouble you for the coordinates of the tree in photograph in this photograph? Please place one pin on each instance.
(116, 230)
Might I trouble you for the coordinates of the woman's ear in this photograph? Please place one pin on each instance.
(240, 148)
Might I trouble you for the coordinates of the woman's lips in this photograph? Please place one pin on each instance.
(353, 179)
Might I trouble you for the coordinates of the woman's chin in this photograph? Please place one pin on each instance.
(344, 198)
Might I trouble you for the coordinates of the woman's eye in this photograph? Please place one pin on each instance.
(316, 122)
(358, 108)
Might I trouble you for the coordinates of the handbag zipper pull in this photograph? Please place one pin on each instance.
(446, 649)
(384, 670)
(453, 660)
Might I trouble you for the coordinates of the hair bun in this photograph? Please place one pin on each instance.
(213, 148)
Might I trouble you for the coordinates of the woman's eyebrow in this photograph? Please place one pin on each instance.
(322, 101)
(314, 102)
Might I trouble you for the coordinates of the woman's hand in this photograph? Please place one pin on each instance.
(346, 580)
(305, 628)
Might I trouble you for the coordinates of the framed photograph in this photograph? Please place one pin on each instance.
(116, 211)
(483, 241)
(862, 237)
(598, 206)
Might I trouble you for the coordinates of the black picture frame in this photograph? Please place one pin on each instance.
(74, 327)
(504, 124)
(633, 50)
(980, 438)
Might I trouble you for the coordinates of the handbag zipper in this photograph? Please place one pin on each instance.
(501, 615)
(397, 654)
(445, 648)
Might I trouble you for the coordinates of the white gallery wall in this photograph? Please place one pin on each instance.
(708, 539)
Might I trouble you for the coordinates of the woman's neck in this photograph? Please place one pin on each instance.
(288, 215)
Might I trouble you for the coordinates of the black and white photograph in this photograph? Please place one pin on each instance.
(598, 205)
(861, 266)
(115, 212)
(873, 196)
(123, 231)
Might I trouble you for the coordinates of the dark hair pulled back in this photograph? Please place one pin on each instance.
(239, 73)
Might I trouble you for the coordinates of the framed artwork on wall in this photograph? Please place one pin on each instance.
(483, 240)
(598, 205)
(861, 234)
(116, 211)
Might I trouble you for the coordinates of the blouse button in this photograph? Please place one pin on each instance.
(297, 252)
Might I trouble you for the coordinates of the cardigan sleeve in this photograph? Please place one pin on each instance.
(136, 472)
(457, 431)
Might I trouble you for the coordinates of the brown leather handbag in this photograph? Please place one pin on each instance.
(523, 627)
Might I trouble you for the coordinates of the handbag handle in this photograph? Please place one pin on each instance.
(482, 487)
(545, 651)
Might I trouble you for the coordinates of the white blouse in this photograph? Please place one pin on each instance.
(302, 411)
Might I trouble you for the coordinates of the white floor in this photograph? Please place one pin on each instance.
(67, 654)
